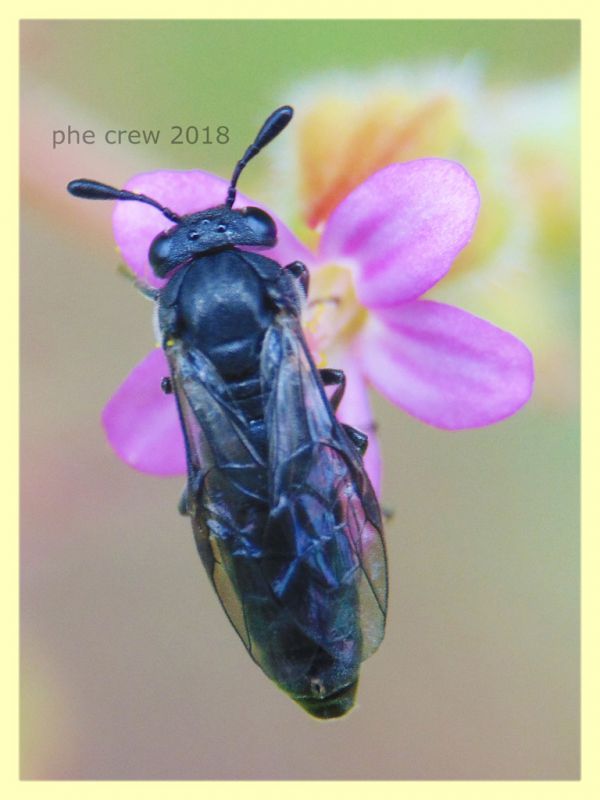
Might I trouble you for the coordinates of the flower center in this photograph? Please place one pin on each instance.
(333, 315)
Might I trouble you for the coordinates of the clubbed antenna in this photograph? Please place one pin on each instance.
(271, 128)
(93, 190)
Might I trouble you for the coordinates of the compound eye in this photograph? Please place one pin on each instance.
(160, 254)
(261, 225)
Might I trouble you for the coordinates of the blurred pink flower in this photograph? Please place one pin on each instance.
(388, 242)
(521, 144)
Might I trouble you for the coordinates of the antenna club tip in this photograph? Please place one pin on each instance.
(283, 115)
(73, 186)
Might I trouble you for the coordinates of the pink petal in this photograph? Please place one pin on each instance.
(142, 423)
(402, 228)
(136, 224)
(445, 366)
(355, 410)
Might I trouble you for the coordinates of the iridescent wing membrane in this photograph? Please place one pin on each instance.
(225, 495)
(319, 489)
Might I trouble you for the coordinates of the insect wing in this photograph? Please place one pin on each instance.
(226, 479)
(336, 586)
(287, 524)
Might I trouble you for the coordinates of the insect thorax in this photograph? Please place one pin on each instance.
(221, 308)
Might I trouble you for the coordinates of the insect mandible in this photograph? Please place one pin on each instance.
(284, 516)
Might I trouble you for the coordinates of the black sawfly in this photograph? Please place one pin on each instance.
(284, 516)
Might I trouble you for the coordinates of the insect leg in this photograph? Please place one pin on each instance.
(182, 506)
(190, 494)
(359, 439)
(300, 272)
(148, 291)
(337, 378)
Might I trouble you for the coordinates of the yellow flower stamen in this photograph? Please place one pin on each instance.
(334, 315)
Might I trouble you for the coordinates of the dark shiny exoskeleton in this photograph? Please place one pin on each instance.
(285, 519)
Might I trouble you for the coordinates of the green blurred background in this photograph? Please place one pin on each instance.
(129, 667)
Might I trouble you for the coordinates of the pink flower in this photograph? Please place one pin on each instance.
(386, 244)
